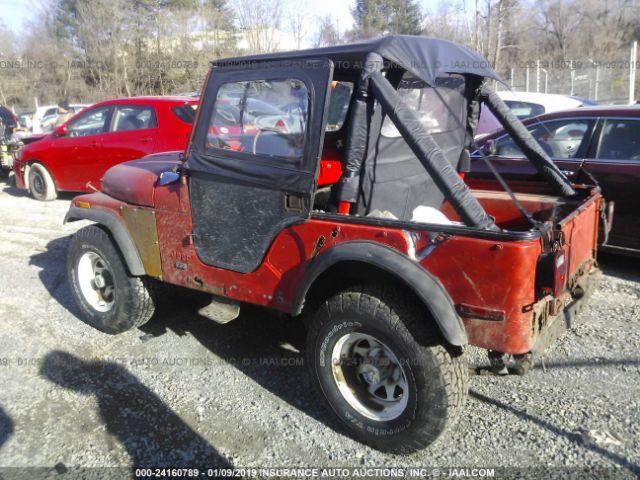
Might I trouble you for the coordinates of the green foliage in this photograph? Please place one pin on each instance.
(378, 17)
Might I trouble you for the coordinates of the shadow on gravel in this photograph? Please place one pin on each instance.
(6, 427)
(590, 363)
(625, 268)
(53, 273)
(263, 345)
(152, 434)
(573, 437)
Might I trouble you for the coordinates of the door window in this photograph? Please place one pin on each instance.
(91, 123)
(524, 110)
(338, 105)
(261, 117)
(620, 140)
(560, 139)
(135, 117)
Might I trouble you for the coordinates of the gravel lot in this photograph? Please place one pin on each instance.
(186, 390)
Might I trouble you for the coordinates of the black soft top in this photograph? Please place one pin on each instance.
(426, 58)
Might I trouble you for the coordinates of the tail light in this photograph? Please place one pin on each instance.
(280, 125)
(551, 274)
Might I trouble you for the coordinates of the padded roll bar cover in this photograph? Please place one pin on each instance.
(430, 155)
(117, 229)
(408, 272)
(525, 141)
(358, 132)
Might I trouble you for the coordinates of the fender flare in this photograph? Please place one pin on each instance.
(426, 287)
(117, 229)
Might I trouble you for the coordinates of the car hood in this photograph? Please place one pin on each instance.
(134, 182)
(30, 138)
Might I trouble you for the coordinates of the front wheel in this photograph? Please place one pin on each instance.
(391, 392)
(111, 300)
(41, 184)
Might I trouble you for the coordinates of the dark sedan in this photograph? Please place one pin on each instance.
(601, 141)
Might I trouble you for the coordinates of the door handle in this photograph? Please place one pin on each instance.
(92, 144)
(146, 139)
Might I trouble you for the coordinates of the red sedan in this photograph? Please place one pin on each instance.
(75, 156)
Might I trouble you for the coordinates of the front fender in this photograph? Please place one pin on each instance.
(409, 273)
(117, 229)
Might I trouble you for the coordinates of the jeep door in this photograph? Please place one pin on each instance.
(252, 174)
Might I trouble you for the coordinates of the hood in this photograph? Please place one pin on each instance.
(32, 138)
(134, 182)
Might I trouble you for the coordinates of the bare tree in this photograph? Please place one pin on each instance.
(299, 25)
(328, 33)
(259, 23)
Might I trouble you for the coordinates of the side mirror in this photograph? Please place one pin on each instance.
(61, 131)
(168, 177)
(489, 147)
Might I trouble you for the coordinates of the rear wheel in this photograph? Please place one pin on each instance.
(41, 184)
(391, 391)
(110, 299)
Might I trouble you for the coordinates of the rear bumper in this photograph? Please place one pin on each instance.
(557, 324)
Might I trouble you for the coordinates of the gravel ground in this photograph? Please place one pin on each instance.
(187, 390)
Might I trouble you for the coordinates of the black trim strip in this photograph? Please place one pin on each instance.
(503, 235)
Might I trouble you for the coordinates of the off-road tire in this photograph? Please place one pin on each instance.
(41, 184)
(133, 303)
(436, 374)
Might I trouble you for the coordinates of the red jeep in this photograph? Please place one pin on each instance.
(396, 263)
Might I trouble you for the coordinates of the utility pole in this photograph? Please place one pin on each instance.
(632, 73)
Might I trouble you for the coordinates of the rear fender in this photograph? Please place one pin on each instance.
(118, 231)
(400, 268)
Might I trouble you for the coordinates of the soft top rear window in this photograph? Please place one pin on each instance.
(440, 109)
(186, 113)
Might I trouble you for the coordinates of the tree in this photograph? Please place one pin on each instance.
(259, 22)
(378, 17)
(328, 33)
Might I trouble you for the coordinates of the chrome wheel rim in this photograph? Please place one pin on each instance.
(369, 376)
(96, 282)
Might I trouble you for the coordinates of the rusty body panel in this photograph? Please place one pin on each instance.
(141, 225)
(492, 283)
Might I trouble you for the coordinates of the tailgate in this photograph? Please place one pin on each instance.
(580, 230)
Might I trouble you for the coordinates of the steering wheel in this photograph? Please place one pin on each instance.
(266, 129)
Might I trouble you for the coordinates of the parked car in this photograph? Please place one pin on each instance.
(48, 122)
(600, 141)
(393, 288)
(44, 117)
(76, 155)
(526, 105)
(8, 124)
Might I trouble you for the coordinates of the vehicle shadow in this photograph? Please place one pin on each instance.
(6, 427)
(153, 435)
(572, 437)
(53, 273)
(619, 266)
(260, 343)
(264, 345)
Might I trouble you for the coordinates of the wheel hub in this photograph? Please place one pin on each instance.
(369, 376)
(95, 281)
(99, 281)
